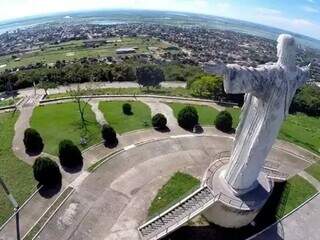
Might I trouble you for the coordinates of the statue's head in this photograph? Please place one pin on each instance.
(286, 50)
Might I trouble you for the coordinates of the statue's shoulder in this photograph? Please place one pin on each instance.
(270, 66)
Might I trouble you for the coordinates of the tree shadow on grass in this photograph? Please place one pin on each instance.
(269, 214)
(50, 191)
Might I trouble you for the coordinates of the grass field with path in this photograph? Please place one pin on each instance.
(207, 114)
(76, 50)
(178, 186)
(112, 110)
(56, 122)
(15, 173)
(314, 170)
(297, 190)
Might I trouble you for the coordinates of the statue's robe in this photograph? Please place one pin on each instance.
(269, 90)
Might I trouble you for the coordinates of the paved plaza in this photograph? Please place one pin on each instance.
(113, 201)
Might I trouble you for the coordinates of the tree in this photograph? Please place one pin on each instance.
(159, 121)
(208, 86)
(127, 109)
(45, 84)
(188, 117)
(32, 141)
(307, 100)
(69, 154)
(82, 105)
(149, 76)
(109, 135)
(223, 121)
(110, 76)
(46, 171)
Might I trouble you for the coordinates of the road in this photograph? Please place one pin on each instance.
(93, 85)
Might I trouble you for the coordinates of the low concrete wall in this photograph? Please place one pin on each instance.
(228, 216)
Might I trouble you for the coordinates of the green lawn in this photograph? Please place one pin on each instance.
(235, 113)
(207, 114)
(179, 185)
(296, 191)
(167, 91)
(303, 131)
(9, 101)
(15, 173)
(314, 170)
(112, 110)
(76, 50)
(56, 122)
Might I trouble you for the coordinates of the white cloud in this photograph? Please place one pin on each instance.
(279, 20)
(268, 11)
(310, 9)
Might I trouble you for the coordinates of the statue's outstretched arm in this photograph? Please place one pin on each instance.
(239, 79)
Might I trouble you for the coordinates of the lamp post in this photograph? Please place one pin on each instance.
(15, 205)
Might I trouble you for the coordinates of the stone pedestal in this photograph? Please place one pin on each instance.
(230, 209)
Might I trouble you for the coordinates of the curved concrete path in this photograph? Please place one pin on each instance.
(114, 195)
(94, 103)
(23, 122)
(111, 202)
(157, 106)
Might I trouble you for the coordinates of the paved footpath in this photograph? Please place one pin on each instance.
(94, 103)
(23, 122)
(113, 200)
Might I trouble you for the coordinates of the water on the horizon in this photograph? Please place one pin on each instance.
(126, 16)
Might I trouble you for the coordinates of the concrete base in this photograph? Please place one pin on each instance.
(232, 210)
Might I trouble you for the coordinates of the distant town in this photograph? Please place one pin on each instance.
(195, 45)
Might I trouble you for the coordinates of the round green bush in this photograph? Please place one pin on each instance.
(109, 135)
(188, 117)
(46, 171)
(69, 154)
(126, 109)
(32, 141)
(159, 121)
(223, 121)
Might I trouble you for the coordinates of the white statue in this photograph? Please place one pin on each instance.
(269, 90)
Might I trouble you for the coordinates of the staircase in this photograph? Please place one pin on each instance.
(198, 201)
(177, 215)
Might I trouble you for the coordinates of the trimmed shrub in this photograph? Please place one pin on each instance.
(69, 154)
(109, 135)
(188, 117)
(159, 121)
(32, 141)
(126, 108)
(223, 121)
(46, 171)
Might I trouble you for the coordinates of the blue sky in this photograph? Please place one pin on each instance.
(302, 16)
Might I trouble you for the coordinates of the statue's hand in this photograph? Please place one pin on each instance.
(215, 68)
